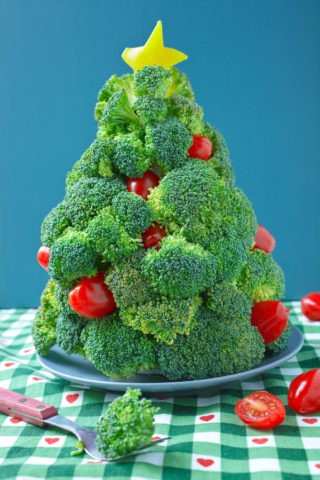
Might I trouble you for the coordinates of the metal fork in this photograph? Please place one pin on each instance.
(42, 414)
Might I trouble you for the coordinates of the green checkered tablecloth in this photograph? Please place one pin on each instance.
(209, 441)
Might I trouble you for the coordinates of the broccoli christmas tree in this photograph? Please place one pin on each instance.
(155, 257)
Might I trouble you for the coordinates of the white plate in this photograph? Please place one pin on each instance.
(77, 370)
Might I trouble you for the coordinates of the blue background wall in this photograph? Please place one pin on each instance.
(255, 68)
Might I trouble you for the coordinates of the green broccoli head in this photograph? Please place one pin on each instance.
(116, 349)
(72, 256)
(281, 343)
(54, 224)
(152, 80)
(179, 269)
(151, 109)
(95, 162)
(109, 238)
(226, 301)
(188, 112)
(127, 283)
(44, 323)
(126, 425)
(129, 155)
(180, 84)
(86, 198)
(118, 115)
(168, 143)
(261, 277)
(134, 213)
(68, 329)
(221, 157)
(162, 318)
(214, 347)
(112, 85)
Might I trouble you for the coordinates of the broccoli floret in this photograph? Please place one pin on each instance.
(162, 318)
(220, 154)
(72, 256)
(95, 162)
(151, 109)
(188, 112)
(126, 425)
(226, 301)
(168, 143)
(86, 198)
(129, 155)
(115, 349)
(127, 283)
(54, 224)
(281, 343)
(230, 255)
(152, 80)
(69, 328)
(215, 347)
(118, 114)
(243, 223)
(180, 84)
(112, 85)
(133, 211)
(109, 237)
(179, 269)
(261, 277)
(44, 323)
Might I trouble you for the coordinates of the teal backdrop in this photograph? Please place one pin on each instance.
(255, 69)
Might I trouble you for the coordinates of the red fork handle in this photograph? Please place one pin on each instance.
(25, 408)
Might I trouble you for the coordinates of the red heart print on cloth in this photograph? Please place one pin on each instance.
(72, 397)
(15, 420)
(207, 418)
(205, 462)
(310, 421)
(260, 441)
(51, 441)
(9, 364)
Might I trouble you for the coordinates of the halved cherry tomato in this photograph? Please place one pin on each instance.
(43, 257)
(141, 186)
(92, 298)
(310, 306)
(261, 410)
(264, 240)
(201, 148)
(304, 392)
(271, 318)
(153, 235)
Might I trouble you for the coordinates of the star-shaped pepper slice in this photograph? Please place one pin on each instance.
(153, 52)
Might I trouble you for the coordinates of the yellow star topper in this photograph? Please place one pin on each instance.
(153, 52)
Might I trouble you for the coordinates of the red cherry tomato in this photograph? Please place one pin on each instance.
(141, 186)
(152, 236)
(261, 410)
(43, 257)
(310, 306)
(271, 318)
(304, 392)
(201, 148)
(264, 240)
(92, 298)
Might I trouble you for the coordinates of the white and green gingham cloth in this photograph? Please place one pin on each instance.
(208, 440)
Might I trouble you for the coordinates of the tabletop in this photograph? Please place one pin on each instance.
(208, 440)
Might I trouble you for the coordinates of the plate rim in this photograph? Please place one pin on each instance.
(109, 383)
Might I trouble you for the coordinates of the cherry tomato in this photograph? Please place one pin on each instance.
(310, 306)
(304, 392)
(271, 318)
(141, 186)
(92, 298)
(201, 148)
(264, 240)
(43, 257)
(261, 410)
(152, 236)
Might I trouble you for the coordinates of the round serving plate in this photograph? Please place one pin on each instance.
(77, 370)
